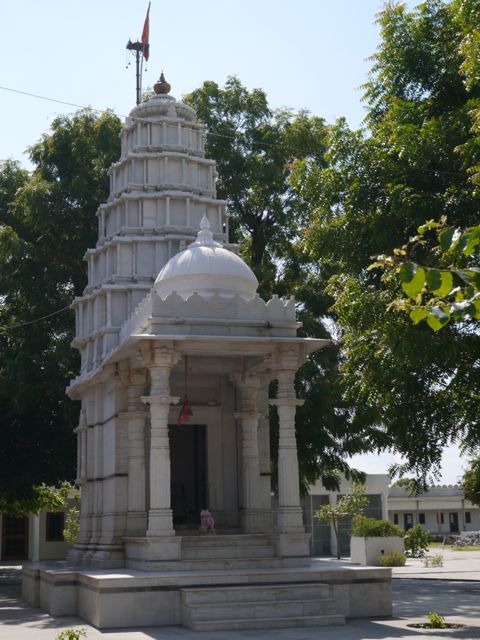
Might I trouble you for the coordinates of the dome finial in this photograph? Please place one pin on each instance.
(161, 86)
(205, 223)
(205, 236)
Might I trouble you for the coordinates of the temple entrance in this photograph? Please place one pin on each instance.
(14, 538)
(188, 459)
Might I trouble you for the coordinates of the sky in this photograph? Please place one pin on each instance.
(306, 54)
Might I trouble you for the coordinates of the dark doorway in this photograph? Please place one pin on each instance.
(188, 456)
(453, 519)
(14, 538)
(407, 521)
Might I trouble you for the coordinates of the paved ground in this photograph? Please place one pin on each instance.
(452, 590)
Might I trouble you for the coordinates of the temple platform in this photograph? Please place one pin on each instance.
(211, 599)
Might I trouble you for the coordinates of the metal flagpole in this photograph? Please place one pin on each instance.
(137, 47)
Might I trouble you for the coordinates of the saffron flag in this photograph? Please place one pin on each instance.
(145, 34)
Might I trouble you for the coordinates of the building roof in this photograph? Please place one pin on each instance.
(435, 491)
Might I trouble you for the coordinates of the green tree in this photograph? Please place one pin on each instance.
(254, 148)
(416, 541)
(47, 220)
(347, 506)
(407, 389)
(450, 288)
(471, 481)
(42, 497)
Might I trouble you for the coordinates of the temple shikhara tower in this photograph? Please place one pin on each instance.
(177, 355)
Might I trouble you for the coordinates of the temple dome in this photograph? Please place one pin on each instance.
(206, 268)
(163, 105)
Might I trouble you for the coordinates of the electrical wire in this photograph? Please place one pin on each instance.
(210, 133)
(24, 324)
(121, 115)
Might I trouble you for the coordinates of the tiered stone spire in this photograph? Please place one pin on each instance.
(160, 189)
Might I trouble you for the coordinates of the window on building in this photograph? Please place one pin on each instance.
(442, 520)
(374, 506)
(421, 518)
(395, 518)
(468, 517)
(55, 524)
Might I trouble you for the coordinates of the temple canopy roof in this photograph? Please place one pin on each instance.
(208, 269)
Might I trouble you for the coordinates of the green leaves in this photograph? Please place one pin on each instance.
(413, 279)
(417, 314)
(438, 317)
(447, 237)
(440, 282)
(435, 294)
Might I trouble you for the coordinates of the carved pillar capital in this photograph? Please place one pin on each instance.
(134, 380)
(159, 355)
(248, 386)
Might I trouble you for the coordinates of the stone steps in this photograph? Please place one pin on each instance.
(235, 540)
(226, 552)
(213, 564)
(250, 550)
(279, 593)
(266, 623)
(258, 607)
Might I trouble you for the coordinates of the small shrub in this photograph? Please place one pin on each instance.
(364, 527)
(392, 559)
(416, 542)
(72, 634)
(436, 621)
(72, 524)
(433, 561)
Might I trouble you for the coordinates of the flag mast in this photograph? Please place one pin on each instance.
(142, 50)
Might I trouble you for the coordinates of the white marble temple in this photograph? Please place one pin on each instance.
(177, 354)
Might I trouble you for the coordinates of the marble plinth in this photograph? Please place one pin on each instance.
(132, 598)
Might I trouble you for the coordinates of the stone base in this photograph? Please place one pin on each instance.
(134, 598)
(141, 552)
(108, 559)
(289, 545)
(256, 520)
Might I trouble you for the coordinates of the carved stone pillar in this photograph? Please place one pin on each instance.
(250, 497)
(135, 381)
(292, 539)
(264, 450)
(160, 362)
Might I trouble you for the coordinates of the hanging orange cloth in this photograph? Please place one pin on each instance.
(185, 411)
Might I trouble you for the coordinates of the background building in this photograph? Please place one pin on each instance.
(33, 537)
(323, 541)
(441, 510)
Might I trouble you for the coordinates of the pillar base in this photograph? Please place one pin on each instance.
(289, 520)
(256, 521)
(76, 555)
(140, 553)
(109, 557)
(136, 524)
(292, 545)
(160, 523)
